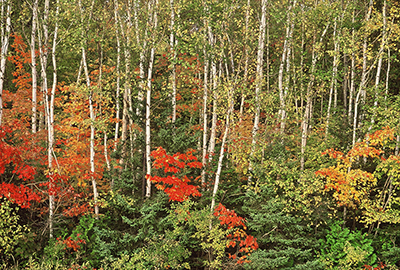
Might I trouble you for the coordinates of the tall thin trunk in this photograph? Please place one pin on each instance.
(5, 35)
(333, 88)
(33, 64)
(211, 144)
(117, 116)
(49, 105)
(148, 101)
(305, 125)
(362, 94)
(173, 52)
(222, 151)
(246, 59)
(379, 67)
(285, 59)
(92, 113)
(205, 101)
(259, 80)
(352, 72)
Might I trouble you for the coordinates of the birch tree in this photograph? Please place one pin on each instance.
(33, 65)
(148, 98)
(5, 35)
(259, 82)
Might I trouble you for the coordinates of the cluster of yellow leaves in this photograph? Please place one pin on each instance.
(351, 186)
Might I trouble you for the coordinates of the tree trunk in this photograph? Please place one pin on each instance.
(148, 102)
(259, 81)
(222, 151)
(5, 35)
(118, 75)
(173, 44)
(205, 101)
(379, 67)
(33, 64)
(92, 114)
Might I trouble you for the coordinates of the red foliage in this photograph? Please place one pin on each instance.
(177, 188)
(71, 243)
(239, 238)
(380, 266)
(11, 156)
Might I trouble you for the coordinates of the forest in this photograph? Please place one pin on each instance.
(212, 134)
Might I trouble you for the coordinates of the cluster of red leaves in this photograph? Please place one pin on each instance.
(177, 188)
(238, 238)
(70, 243)
(380, 266)
(77, 210)
(21, 195)
(12, 156)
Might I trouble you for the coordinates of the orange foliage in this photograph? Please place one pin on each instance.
(351, 186)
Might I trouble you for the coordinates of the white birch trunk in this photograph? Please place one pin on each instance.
(379, 67)
(92, 115)
(205, 101)
(361, 95)
(333, 88)
(173, 51)
(117, 116)
(222, 151)
(148, 102)
(5, 35)
(33, 65)
(259, 80)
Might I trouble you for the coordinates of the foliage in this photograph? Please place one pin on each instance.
(344, 249)
(11, 232)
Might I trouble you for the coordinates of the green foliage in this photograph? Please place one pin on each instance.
(285, 240)
(11, 232)
(345, 249)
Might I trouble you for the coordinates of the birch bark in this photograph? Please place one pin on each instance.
(33, 65)
(5, 35)
(259, 80)
(148, 101)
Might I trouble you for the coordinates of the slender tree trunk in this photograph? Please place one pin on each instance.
(173, 52)
(361, 95)
(148, 102)
(259, 80)
(5, 35)
(205, 101)
(379, 67)
(92, 113)
(246, 59)
(285, 59)
(211, 144)
(222, 151)
(33, 64)
(333, 88)
(118, 74)
(352, 72)
(305, 125)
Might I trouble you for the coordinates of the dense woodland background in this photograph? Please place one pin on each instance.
(199, 134)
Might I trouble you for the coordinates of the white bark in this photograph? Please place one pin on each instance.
(173, 44)
(222, 151)
(285, 59)
(362, 93)
(33, 65)
(205, 100)
(92, 115)
(5, 35)
(259, 80)
(117, 116)
(148, 102)
(379, 67)
(333, 88)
